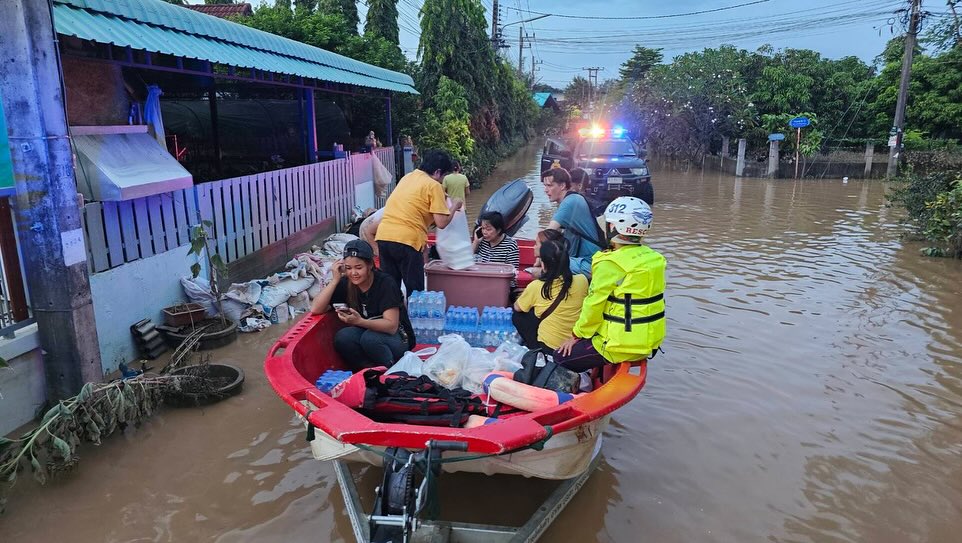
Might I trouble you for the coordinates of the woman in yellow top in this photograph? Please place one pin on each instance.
(623, 317)
(546, 311)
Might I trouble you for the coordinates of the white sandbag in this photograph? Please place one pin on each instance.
(454, 244)
(235, 310)
(299, 302)
(281, 314)
(382, 177)
(334, 244)
(247, 293)
(274, 295)
(315, 289)
(197, 290)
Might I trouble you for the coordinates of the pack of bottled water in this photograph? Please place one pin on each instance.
(496, 327)
(426, 311)
(464, 322)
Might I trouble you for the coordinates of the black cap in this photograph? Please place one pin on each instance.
(358, 248)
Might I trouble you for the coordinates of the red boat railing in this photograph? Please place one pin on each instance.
(306, 350)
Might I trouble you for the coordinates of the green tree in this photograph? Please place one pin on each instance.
(642, 60)
(578, 92)
(347, 9)
(446, 124)
(455, 44)
(382, 20)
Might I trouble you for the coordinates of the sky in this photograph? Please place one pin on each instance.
(566, 42)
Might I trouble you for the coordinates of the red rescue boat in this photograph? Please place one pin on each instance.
(305, 352)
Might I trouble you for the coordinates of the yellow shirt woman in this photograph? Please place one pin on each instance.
(556, 328)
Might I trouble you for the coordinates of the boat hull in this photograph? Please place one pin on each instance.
(564, 456)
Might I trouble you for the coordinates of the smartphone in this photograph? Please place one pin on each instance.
(340, 307)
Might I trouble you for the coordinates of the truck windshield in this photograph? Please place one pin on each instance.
(592, 148)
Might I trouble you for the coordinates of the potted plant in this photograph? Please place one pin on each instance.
(218, 331)
(183, 314)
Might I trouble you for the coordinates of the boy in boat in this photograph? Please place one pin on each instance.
(574, 219)
(623, 316)
(417, 202)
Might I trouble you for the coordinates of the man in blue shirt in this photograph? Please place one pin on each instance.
(574, 219)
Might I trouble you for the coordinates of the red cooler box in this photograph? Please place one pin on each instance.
(477, 286)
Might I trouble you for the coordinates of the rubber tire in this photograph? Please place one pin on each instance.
(207, 341)
(400, 490)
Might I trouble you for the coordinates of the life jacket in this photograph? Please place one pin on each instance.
(631, 323)
(398, 397)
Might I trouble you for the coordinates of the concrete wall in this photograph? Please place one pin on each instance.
(95, 93)
(820, 168)
(125, 295)
(23, 385)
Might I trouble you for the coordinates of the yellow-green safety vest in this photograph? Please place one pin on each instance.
(624, 312)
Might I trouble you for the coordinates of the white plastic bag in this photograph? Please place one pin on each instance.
(477, 368)
(446, 367)
(454, 244)
(410, 364)
(508, 356)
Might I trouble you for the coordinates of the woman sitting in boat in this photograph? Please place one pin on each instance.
(547, 310)
(369, 302)
(623, 316)
(492, 244)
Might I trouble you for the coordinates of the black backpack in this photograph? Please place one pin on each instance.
(398, 397)
(537, 370)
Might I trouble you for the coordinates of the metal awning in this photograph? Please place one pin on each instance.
(159, 27)
(124, 162)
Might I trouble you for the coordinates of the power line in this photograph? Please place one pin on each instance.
(641, 17)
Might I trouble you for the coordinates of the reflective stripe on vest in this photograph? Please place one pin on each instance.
(627, 301)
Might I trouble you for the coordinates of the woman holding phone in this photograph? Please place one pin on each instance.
(370, 303)
(492, 244)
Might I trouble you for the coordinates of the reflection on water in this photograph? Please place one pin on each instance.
(810, 390)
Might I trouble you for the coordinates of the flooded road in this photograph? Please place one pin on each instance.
(810, 390)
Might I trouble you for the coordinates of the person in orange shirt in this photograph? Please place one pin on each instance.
(417, 202)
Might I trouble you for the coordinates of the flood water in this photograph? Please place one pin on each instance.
(810, 390)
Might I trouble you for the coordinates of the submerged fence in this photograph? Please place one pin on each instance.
(247, 213)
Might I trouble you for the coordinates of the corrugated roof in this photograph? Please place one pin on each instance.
(541, 98)
(157, 26)
(222, 10)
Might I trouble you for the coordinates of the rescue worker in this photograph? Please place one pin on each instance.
(623, 316)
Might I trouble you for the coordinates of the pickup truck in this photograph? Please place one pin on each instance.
(614, 165)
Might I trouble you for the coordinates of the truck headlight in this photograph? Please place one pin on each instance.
(640, 171)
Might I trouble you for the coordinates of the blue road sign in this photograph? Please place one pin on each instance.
(776, 137)
(799, 122)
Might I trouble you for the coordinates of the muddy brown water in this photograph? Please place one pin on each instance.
(810, 390)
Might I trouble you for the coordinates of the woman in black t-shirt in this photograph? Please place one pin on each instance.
(369, 302)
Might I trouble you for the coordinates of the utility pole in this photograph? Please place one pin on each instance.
(592, 83)
(495, 34)
(46, 205)
(898, 125)
(520, 50)
(534, 68)
(522, 37)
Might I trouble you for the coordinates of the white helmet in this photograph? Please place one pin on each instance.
(630, 218)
